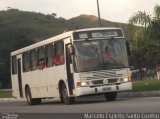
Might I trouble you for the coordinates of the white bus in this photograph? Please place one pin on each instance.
(77, 63)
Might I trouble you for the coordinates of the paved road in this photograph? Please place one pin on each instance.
(89, 105)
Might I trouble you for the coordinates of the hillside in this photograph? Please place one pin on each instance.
(88, 21)
(19, 29)
(15, 24)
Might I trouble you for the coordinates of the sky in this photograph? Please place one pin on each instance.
(112, 10)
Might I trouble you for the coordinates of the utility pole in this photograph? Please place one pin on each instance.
(99, 17)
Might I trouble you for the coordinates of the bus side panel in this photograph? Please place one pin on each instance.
(58, 73)
(52, 90)
(42, 83)
(31, 79)
(61, 74)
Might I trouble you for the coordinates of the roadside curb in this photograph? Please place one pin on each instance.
(5, 90)
(11, 100)
(139, 94)
(120, 95)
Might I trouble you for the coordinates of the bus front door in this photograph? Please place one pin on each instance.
(69, 72)
(20, 78)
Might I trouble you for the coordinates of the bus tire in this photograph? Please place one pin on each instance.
(64, 96)
(111, 96)
(30, 100)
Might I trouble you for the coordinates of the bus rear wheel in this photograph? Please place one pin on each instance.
(64, 96)
(111, 96)
(30, 100)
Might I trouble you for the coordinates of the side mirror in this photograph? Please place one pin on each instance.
(128, 49)
(71, 50)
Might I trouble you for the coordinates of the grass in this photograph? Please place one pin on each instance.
(6, 94)
(146, 85)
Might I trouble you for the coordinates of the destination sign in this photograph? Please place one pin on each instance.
(98, 34)
(104, 34)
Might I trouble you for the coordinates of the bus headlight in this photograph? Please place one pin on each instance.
(127, 79)
(82, 84)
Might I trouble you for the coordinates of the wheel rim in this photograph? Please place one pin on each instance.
(65, 94)
(28, 97)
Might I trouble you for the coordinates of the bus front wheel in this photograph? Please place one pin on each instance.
(111, 96)
(30, 100)
(64, 96)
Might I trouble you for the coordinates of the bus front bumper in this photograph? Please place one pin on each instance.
(102, 89)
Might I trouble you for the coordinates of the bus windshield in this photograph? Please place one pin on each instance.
(100, 54)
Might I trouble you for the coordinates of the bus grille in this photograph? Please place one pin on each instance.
(97, 82)
(103, 77)
(104, 74)
(112, 80)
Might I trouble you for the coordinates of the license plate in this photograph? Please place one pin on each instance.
(106, 88)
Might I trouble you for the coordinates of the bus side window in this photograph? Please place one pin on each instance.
(59, 53)
(49, 55)
(41, 58)
(26, 61)
(33, 60)
(14, 65)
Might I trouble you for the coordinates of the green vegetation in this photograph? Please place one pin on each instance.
(145, 40)
(146, 85)
(6, 94)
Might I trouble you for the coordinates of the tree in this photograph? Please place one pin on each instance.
(54, 14)
(140, 18)
(157, 12)
(154, 34)
(146, 39)
(138, 35)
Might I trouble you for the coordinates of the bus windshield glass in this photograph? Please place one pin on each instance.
(100, 54)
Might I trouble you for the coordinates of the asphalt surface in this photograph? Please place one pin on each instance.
(129, 105)
(95, 105)
(83, 105)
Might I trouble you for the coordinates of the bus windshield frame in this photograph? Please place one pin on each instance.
(100, 54)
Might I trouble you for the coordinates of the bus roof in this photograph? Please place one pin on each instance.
(55, 38)
(96, 29)
(42, 43)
